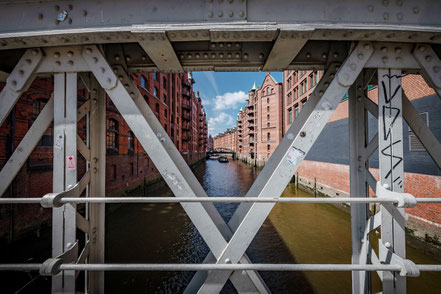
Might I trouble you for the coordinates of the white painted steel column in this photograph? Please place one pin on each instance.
(358, 140)
(390, 130)
(64, 172)
(97, 183)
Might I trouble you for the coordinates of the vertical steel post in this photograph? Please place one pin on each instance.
(97, 182)
(390, 130)
(358, 139)
(64, 172)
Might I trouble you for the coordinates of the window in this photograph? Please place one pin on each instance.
(296, 110)
(268, 125)
(165, 113)
(301, 87)
(267, 100)
(268, 136)
(48, 137)
(112, 135)
(268, 117)
(164, 99)
(311, 81)
(289, 98)
(131, 141)
(303, 102)
(315, 78)
(268, 147)
(155, 76)
(157, 108)
(113, 172)
(143, 82)
(296, 77)
(267, 109)
(164, 83)
(132, 169)
(155, 91)
(146, 98)
(290, 115)
(267, 91)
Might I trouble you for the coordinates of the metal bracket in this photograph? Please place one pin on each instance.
(408, 267)
(54, 199)
(51, 266)
(404, 199)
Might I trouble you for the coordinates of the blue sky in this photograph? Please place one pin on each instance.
(223, 93)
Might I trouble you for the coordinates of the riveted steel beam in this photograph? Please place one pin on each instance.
(286, 158)
(167, 159)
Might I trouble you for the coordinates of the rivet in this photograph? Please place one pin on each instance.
(221, 45)
(221, 55)
(241, 13)
(21, 72)
(56, 55)
(34, 52)
(95, 59)
(70, 54)
(371, 8)
(384, 49)
(172, 35)
(245, 55)
(261, 56)
(14, 83)
(326, 84)
(398, 50)
(428, 58)
(57, 8)
(324, 55)
(302, 134)
(189, 56)
(70, 7)
(71, 62)
(88, 50)
(348, 34)
(416, 10)
(115, 71)
(390, 36)
(220, 14)
(231, 13)
(227, 260)
(237, 55)
(367, 46)
(84, 13)
(387, 245)
(385, 59)
(360, 56)
(205, 55)
(40, 16)
(194, 35)
(28, 61)
(385, 3)
(143, 58)
(213, 55)
(197, 55)
(422, 48)
(109, 80)
(346, 77)
(229, 55)
(128, 58)
(353, 66)
(283, 35)
(117, 58)
(132, 94)
(399, 16)
(237, 45)
(120, 78)
(399, 3)
(436, 69)
(398, 59)
(386, 16)
(335, 55)
(181, 56)
(412, 36)
(308, 55)
(69, 20)
(103, 70)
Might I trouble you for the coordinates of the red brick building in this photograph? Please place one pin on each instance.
(170, 96)
(226, 140)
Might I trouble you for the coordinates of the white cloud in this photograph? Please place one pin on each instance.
(229, 100)
(223, 119)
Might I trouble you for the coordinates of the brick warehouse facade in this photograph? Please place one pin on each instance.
(171, 97)
(260, 124)
(226, 140)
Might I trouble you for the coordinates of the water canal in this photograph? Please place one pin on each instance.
(293, 233)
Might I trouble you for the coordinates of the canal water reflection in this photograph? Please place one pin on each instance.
(293, 233)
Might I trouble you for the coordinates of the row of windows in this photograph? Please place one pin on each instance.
(305, 85)
(112, 136)
(296, 111)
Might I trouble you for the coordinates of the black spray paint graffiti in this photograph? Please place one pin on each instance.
(390, 115)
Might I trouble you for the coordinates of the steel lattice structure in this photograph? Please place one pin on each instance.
(97, 44)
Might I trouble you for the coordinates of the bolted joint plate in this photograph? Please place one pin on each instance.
(26, 67)
(346, 75)
(430, 62)
(99, 67)
(227, 10)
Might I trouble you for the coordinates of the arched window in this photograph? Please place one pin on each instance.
(268, 147)
(268, 136)
(131, 141)
(267, 109)
(267, 100)
(268, 117)
(267, 91)
(268, 125)
(155, 91)
(112, 135)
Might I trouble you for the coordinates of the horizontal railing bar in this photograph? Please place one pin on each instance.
(206, 267)
(214, 199)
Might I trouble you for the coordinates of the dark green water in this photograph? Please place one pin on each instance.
(293, 233)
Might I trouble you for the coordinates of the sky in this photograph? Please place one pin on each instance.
(223, 93)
